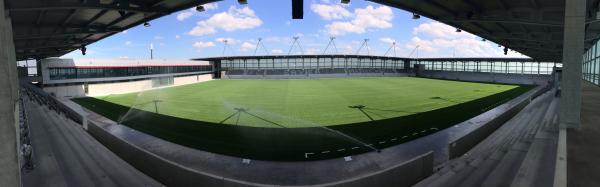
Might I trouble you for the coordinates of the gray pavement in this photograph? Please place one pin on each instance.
(65, 155)
(583, 144)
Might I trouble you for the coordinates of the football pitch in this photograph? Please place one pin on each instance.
(285, 119)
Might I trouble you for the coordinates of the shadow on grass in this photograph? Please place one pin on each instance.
(291, 144)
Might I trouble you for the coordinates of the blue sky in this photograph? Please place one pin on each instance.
(191, 34)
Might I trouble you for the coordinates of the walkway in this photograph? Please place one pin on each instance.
(583, 144)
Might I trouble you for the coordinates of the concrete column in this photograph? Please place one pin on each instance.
(570, 101)
(9, 162)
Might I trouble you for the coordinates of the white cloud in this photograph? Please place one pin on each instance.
(230, 41)
(364, 18)
(158, 38)
(439, 40)
(233, 19)
(201, 45)
(184, 15)
(387, 40)
(331, 11)
(277, 51)
(128, 43)
(312, 51)
(124, 32)
(211, 6)
(246, 46)
(177, 36)
(277, 39)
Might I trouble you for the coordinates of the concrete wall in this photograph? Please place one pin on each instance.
(9, 94)
(102, 89)
(173, 174)
(192, 79)
(488, 77)
(463, 144)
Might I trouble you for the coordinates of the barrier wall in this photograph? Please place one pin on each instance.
(173, 174)
(463, 144)
(404, 174)
(102, 89)
(488, 77)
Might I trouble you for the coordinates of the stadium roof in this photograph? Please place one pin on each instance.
(365, 56)
(531, 27)
(51, 28)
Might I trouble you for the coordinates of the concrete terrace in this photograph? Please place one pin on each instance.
(65, 154)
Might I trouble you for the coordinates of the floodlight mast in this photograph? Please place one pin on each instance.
(365, 44)
(393, 47)
(258, 44)
(294, 43)
(331, 42)
(416, 49)
(226, 46)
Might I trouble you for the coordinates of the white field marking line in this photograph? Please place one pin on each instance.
(394, 139)
(355, 147)
(340, 150)
(435, 129)
(404, 137)
(325, 152)
(414, 134)
(306, 154)
(423, 131)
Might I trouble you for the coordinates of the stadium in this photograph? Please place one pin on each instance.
(301, 119)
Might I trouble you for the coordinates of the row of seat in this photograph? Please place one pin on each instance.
(520, 153)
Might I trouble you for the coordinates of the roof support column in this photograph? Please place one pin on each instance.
(573, 49)
(9, 120)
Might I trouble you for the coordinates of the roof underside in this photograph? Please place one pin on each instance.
(531, 27)
(52, 28)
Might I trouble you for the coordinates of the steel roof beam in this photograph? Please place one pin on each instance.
(66, 33)
(85, 5)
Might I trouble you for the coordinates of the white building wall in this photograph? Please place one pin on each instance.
(102, 89)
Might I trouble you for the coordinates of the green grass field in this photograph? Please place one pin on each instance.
(284, 119)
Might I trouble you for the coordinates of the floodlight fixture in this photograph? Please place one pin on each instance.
(200, 8)
(146, 24)
(83, 50)
(243, 2)
(505, 50)
(416, 16)
(345, 1)
(458, 30)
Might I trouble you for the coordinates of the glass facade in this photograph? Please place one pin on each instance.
(313, 63)
(106, 72)
(591, 64)
(349, 63)
(488, 66)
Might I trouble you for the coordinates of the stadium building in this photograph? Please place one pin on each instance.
(301, 120)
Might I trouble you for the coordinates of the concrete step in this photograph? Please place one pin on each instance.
(506, 169)
(479, 174)
(538, 165)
